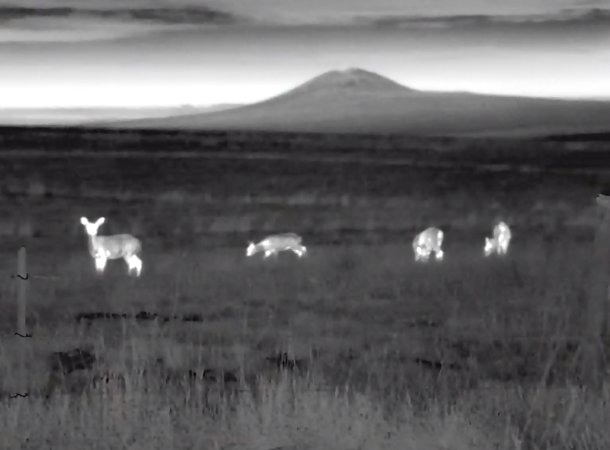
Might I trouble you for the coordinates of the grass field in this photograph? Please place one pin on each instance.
(471, 353)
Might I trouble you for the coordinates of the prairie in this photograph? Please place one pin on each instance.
(468, 353)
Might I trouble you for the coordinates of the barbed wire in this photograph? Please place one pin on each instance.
(18, 395)
(27, 276)
(28, 335)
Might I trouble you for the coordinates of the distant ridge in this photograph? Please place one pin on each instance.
(581, 137)
(97, 115)
(360, 101)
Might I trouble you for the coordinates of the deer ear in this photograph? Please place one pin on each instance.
(84, 220)
(101, 220)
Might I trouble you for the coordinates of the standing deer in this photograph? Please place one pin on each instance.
(276, 243)
(428, 241)
(499, 242)
(103, 248)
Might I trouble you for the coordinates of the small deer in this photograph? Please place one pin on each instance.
(499, 242)
(428, 241)
(276, 243)
(103, 248)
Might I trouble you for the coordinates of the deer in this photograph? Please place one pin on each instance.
(428, 241)
(272, 245)
(499, 242)
(117, 246)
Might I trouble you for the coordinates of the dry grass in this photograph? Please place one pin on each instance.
(287, 414)
(358, 314)
(367, 302)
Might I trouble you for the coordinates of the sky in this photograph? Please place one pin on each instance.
(150, 53)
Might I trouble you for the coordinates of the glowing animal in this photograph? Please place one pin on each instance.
(499, 242)
(428, 241)
(103, 248)
(276, 243)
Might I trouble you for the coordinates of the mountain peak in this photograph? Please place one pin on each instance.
(355, 77)
(352, 79)
(355, 100)
(353, 73)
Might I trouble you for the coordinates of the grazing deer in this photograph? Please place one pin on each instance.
(428, 241)
(103, 248)
(276, 243)
(500, 240)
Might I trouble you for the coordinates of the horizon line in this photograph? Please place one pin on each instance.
(209, 105)
(352, 69)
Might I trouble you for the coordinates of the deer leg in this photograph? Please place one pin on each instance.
(137, 262)
(129, 263)
(134, 263)
(100, 263)
(127, 260)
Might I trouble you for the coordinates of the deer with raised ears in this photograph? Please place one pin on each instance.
(427, 242)
(103, 248)
(499, 242)
(276, 243)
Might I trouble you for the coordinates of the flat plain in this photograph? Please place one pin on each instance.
(355, 346)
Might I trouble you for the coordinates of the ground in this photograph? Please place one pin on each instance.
(470, 353)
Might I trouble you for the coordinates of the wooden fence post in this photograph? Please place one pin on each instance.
(596, 313)
(22, 277)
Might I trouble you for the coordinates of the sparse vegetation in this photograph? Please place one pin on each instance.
(472, 353)
(360, 315)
